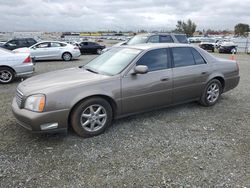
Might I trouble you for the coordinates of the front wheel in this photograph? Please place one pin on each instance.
(6, 75)
(91, 117)
(211, 93)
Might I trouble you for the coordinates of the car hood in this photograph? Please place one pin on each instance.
(59, 79)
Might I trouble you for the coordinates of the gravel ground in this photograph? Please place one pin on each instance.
(183, 146)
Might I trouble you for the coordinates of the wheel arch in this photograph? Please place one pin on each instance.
(66, 52)
(222, 81)
(6, 66)
(109, 99)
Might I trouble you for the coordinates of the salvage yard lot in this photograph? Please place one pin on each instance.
(186, 145)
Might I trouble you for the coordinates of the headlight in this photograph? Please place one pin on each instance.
(35, 103)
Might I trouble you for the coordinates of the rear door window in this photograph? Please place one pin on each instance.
(182, 56)
(166, 39)
(31, 41)
(43, 45)
(55, 44)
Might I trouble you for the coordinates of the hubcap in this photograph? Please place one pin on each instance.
(213, 92)
(5, 76)
(93, 118)
(66, 57)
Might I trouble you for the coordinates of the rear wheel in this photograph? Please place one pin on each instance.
(211, 93)
(67, 56)
(6, 75)
(91, 117)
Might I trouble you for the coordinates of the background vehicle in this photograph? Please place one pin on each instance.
(91, 47)
(208, 44)
(123, 81)
(227, 47)
(2, 43)
(153, 38)
(49, 50)
(158, 38)
(19, 43)
(14, 65)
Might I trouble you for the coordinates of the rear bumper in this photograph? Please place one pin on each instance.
(35, 122)
(231, 83)
(24, 69)
(76, 54)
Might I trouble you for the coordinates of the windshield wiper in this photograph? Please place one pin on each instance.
(90, 70)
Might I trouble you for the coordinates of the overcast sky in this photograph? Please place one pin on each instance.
(92, 15)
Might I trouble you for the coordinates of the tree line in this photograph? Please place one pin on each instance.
(189, 28)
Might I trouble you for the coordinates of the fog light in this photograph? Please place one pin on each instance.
(49, 126)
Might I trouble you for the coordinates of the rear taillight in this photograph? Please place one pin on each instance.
(27, 60)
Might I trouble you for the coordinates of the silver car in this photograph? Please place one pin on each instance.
(14, 65)
(121, 82)
(48, 50)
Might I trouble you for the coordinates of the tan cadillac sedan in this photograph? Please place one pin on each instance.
(121, 82)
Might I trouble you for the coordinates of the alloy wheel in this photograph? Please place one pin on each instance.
(5, 76)
(93, 118)
(213, 92)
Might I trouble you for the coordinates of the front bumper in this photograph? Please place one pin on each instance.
(35, 121)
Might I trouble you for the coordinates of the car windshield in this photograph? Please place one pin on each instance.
(138, 40)
(113, 61)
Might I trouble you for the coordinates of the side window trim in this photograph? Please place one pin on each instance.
(191, 49)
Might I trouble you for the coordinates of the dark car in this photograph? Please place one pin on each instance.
(19, 43)
(208, 44)
(227, 47)
(91, 47)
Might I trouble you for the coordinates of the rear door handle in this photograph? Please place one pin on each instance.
(164, 79)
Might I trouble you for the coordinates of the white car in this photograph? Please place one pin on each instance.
(50, 50)
(14, 65)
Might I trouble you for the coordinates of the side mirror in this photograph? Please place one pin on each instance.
(140, 69)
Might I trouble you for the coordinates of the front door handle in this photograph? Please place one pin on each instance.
(204, 73)
(164, 79)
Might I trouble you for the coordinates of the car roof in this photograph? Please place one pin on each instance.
(148, 46)
(151, 34)
(52, 41)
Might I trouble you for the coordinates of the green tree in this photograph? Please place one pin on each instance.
(241, 29)
(188, 27)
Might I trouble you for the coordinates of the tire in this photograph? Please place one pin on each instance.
(86, 121)
(7, 75)
(211, 93)
(234, 51)
(99, 51)
(66, 56)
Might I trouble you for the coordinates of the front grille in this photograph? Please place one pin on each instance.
(19, 98)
